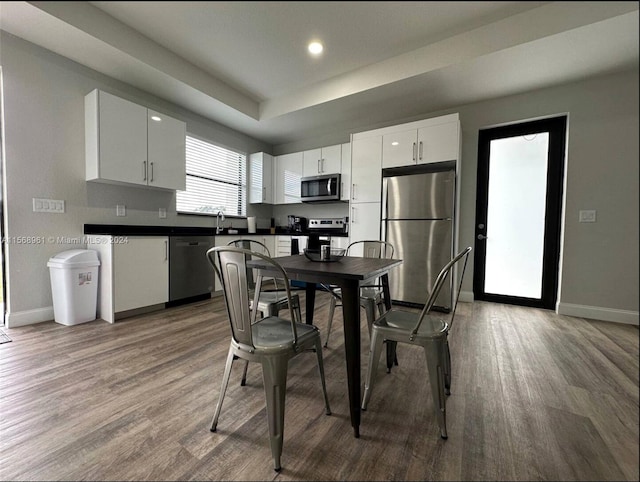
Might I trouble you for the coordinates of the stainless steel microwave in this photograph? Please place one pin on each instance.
(316, 189)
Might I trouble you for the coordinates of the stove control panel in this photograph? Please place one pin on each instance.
(337, 224)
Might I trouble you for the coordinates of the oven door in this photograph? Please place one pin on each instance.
(320, 188)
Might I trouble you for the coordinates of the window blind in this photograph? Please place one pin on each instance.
(216, 180)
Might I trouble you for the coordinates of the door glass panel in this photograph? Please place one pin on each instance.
(516, 215)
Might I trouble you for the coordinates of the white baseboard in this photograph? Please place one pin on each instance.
(581, 311)
(29, 317)
(39, 315)
(466, 297)
(597, 313)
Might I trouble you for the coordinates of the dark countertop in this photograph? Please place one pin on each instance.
(143, 230)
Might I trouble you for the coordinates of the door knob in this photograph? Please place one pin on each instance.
(481, 237)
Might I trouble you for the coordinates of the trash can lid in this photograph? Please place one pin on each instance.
(74, 258)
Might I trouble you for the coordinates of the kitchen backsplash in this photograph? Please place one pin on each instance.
(329, 210)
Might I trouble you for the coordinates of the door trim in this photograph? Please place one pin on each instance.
(556, 126)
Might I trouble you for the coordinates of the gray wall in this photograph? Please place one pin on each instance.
(599, 276)
(599, 260)
(44, 135)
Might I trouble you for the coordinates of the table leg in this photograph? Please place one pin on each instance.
(310, 302)
(391, 345)
(351, 317)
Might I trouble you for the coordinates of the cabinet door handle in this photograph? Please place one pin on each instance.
(319, 168)
(264, 194)
(166, 250)
(151, 166)
(353, 191)
(414, 151)
(420, 152)
(144, 170)
(322, 166)
(353, 215)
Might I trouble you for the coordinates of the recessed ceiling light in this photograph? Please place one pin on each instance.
(315, 48)
(156, 118)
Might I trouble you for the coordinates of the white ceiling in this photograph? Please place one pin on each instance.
(245, 65)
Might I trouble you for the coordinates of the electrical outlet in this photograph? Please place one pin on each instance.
(587, 216)
(121, 210)
(162, 213)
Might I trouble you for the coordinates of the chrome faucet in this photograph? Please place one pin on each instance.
(219, 219)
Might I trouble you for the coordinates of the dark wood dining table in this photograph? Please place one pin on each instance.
(349, 273)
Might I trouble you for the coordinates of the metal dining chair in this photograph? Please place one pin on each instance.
(371, 296)
(272, 300)
(423, 329)
(272, 341)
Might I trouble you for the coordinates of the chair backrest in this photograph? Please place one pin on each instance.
(230, 265)
(439, 283)
(251, 245)
(254, 246)
(372, 249)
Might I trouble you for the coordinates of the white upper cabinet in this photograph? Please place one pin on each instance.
(124, 145)
(432, 140)
(399, 148)
(261, 167)
(166, 145)
(288, 172)
(345, 172)
(325, 160)
(440, 142)
(366, 171)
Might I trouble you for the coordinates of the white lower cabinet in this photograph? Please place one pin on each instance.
(134, 273)
(268, 240)
(339, 242)
(364, 223)
(284, 244)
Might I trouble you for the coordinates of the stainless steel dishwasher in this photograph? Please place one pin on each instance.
(191, 277)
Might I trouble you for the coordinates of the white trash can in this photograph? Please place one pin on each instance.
(74, 285)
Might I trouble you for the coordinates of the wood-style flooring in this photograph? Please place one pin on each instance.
(535, 396)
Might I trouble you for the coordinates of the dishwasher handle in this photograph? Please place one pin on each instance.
(189, 244)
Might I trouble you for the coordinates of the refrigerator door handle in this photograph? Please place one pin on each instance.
(385, 184)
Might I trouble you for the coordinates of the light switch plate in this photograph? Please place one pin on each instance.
(162, 213)
(121, 210)
(587, 216)
(48, 205)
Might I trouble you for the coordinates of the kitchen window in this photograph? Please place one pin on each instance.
(216, 180)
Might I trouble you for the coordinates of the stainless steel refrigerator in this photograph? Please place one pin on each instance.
(417, 218)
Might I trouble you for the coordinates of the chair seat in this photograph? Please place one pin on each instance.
(367, 293)
(400, 323)
(273, 297)
(271, 302)
(275, 333)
